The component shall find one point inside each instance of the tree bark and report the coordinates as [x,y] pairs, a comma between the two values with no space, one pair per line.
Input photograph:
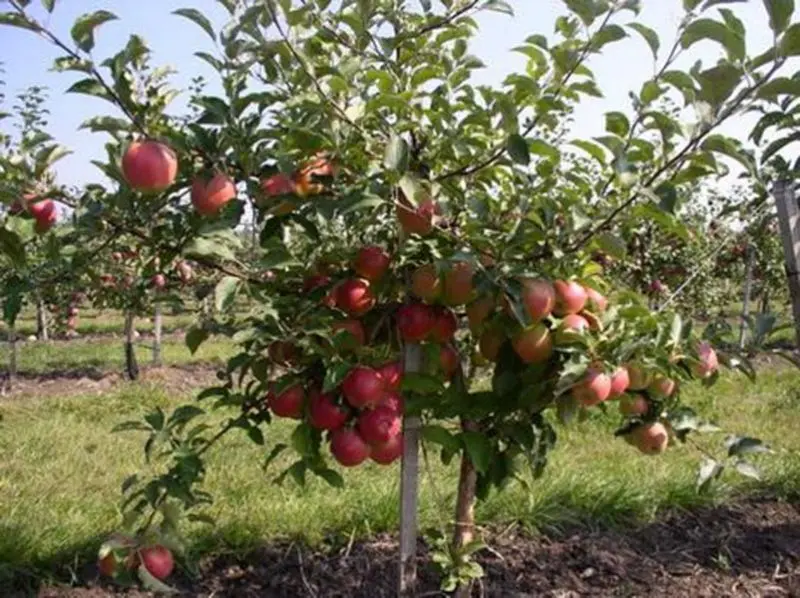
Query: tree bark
[464,531]
[157,326]
[131,367]
[42,332]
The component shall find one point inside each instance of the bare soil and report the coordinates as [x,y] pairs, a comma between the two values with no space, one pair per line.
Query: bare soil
[751,548]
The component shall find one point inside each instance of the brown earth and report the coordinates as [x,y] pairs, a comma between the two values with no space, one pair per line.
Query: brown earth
[751,548]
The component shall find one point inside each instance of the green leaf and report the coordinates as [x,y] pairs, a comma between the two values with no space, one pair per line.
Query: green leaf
[649,35]
[153,584]
[107,124]
[256,435]
[298,472]
[331,476]
[518,149]
[195,337]
[708,472]
[334,376]
[274,453]
[155,419]
[500,6]
[303,440]
[11,245]
[184,414]
[423,384]
[584,9]
[718,83]
[397,154]
[748,470]
[745,445]
[617,123]
[198,18]
[440,436]
[779,86]
[690,4]
[49,5]
[91,87]
[594,150]
[83,29]
[16,20]
[777,145]
[612,245]
[607,35]
[780,13]
[731,148]
[714,30]
[225,292]
[479,450]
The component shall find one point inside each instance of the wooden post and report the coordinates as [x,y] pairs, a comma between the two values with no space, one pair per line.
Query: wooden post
[748,286]
[131,367]
[157,326]
[13,358]
[41,321]
[409,485]
[789,219]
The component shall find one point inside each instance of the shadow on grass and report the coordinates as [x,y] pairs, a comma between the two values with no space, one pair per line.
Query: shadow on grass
[694,552]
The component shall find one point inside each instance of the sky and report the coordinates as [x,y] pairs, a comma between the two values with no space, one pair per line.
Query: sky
[622,67]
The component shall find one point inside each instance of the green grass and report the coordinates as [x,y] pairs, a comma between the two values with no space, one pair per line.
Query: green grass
[61,469]
[104,355]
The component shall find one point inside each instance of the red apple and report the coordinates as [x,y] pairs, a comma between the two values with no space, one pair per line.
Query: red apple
[572,323]
[185,272]
[415,321]
[449,360]
[210,195]
[657,287]
[392,374]
[324,413]
[570,297]
[662,387]
[533,344]
[288,403]
[159,281]
[593,389]
[596,300]
[457,287]
[157,560]
[394,401]
[378,426]
[539,298]
[650,439]
[363,387]
[425,283]
[371,263]
[633,405]
[149,166]
[315,282]
[354,297]
[619,382]
[445,325]
[277,185]
[348,448]
[709,362]
[639,378]
[478,311]
[357,335]
[388,452]
[416,220]
[490,342]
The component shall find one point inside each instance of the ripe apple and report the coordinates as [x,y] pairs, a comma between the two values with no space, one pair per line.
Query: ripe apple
[277,185]
[394,401]
[597,301]
[533,344]
[490,342]
[371,263]
[305,178]
[633,405]
[210,195]
[149,166]
[288,403]
[709,362]
[185,272]
[449,360]
[354,297]
[379,425]
[478,311]
[539,298]
[570,297]
[44,213]
[425,283]
[357,336]
[159,281]
[392,374]
[324,413]
[661,386]
[620,381]
[416,220]
[348,448]
[639,378]
[415,321]
[388,452]
[593,389]
[572,323]
[363,387]
[657,287]
[650,439]
[157,560]
[457,287]
[445,325]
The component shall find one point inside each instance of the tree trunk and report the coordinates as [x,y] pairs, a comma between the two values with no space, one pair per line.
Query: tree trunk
[748,285]
[42,333]
[464,531]
[157,325]
[765,302]
[13,357]
[131,367]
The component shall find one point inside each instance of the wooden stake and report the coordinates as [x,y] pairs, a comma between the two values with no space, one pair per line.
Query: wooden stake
[13,358]
[789,219]
[409,485]
[131,367]
[41,321]
[748,286]
[157,325]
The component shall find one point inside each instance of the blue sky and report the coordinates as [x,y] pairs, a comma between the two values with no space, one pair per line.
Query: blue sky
[27,58]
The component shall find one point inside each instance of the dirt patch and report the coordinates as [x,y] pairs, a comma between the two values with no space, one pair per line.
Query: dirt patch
[91,381]
[748,549]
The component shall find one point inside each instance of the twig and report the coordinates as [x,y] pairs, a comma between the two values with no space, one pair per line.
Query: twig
[443,21]
[310,590]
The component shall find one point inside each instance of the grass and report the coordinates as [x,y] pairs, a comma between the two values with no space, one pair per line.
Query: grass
[61,470]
